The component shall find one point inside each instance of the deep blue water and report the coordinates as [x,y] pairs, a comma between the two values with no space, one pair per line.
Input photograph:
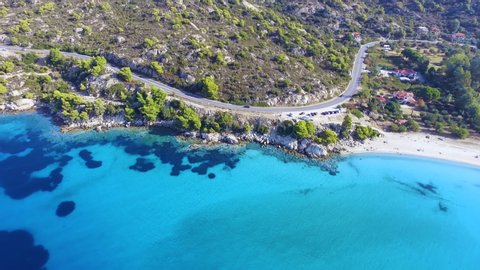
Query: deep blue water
[136,200]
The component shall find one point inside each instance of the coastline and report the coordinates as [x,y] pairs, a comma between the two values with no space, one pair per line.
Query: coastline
[421,145]
[418,144]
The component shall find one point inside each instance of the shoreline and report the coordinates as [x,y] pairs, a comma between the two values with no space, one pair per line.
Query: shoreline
[421,145]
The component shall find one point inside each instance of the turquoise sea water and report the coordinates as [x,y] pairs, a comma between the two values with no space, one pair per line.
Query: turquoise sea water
[150,202]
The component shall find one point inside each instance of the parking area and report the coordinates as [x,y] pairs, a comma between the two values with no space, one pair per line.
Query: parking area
[312,116]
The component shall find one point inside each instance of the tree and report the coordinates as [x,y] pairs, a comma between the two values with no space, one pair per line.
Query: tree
[285,128]
[98,65]
[262,129]
[346,127]
[148,109]
[189,119]
[429,93]
[152,103]
[224,119]
[55,57]
[209,87]
[453,25]
[304,129]
[328,136]
[365,132]
[393,109]
[98,107]
[129,113]
[126,74]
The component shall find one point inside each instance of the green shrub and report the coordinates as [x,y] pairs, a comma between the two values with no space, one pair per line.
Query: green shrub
[365,132]
[7,67]
[209,88]
[157,67]
[126,74]
[304,129]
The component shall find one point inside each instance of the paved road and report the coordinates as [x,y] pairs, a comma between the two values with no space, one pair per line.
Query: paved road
[346,95]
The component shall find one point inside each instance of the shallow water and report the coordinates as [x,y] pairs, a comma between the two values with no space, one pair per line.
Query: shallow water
[143,201]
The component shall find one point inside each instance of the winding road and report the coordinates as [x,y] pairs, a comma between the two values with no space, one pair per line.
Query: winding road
[351,89]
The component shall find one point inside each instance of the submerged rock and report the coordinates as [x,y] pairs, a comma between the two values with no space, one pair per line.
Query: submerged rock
[142,165]
[65,208]
[18,251]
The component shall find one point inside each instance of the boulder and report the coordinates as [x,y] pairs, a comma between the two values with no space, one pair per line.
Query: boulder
[287,142]
[230,139]
[303,145]
[316,151]
[23,104]
[210,137]
[120,40]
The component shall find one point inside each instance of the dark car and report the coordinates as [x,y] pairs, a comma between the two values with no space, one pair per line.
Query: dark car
[246,106]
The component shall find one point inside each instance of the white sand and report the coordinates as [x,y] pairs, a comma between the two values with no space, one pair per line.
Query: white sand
[422,144]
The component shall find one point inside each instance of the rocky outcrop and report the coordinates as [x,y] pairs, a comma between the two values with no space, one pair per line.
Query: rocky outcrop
[305,146]
[287,142]
[230,139]
[316,151]
[23,104]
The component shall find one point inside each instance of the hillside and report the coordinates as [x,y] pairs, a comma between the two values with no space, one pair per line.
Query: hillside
[254,53]
[387,18]
[258,52]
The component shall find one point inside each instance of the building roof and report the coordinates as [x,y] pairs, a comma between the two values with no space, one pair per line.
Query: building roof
[382,99]
[356,34]
[406,72]
[459,35]
[403,95]
[423,28]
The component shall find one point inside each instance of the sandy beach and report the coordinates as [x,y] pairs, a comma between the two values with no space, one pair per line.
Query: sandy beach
[422,144]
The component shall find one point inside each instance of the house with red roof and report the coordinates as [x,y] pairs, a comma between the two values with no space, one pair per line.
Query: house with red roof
[382,99]
[357,36]
[404,97]
[406,73]
[458,37]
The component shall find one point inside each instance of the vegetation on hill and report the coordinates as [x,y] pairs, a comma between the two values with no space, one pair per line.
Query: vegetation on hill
[253,53]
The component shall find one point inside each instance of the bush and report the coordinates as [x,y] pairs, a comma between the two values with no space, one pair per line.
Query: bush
[304,129]
[209,87]
[327,136]
[126,74]
[459,132]
[189,119]
[7,67]
[364,132]
[285,128]
[357,113]
[3,89]
[412,125]
[157,67]
[55,57]
[262,129]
